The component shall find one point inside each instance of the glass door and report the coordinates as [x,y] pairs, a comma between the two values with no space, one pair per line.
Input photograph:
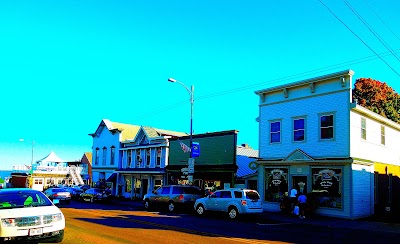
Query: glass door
[300,183]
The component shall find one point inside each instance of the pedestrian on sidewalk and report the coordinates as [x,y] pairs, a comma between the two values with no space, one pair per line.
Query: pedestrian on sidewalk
[293,198]
[302,200]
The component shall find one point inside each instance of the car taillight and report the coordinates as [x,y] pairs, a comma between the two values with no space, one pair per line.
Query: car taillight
[244,202]
[181,197]
[55,195]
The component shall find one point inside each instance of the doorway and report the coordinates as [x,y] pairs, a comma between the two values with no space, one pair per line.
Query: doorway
[145,186]
[300,183]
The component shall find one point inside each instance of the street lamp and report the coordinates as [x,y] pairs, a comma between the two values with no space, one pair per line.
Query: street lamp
[33,144]
[191,94]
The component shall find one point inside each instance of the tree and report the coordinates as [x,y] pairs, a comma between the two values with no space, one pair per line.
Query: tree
[378,97]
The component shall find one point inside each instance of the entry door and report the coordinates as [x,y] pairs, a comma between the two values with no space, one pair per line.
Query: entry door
[145,186]
[300,183]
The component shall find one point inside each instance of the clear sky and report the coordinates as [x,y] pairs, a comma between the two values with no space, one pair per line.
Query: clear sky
[66,65]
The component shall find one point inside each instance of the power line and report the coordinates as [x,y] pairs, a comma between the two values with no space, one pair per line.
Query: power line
[240,89]
[358,37]
[369,6]
[371,29]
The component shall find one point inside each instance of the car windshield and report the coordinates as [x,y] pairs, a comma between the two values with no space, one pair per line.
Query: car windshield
[252,195]
[23,199]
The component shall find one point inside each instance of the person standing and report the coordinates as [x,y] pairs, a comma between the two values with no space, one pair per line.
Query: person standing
[302,199]
[293,198]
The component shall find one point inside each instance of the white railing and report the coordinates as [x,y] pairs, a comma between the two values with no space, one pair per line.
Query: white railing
[76,177]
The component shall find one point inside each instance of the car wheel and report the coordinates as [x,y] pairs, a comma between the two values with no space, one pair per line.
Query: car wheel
[60,237]
[171,206]
[147,204]
[233,213]
[200,209]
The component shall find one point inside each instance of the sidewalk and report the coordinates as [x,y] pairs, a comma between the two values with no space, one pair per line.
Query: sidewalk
[322,221]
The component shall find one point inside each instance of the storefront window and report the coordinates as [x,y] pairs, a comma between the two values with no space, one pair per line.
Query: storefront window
[276,184]
[327,187]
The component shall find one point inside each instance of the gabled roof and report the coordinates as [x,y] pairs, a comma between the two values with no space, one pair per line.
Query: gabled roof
[244,156]
[88,156]
[152,133]
[298,155]
[127,131]
[52,157]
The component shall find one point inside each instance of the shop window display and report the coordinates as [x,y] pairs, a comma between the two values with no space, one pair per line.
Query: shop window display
[327,187]
[276,185]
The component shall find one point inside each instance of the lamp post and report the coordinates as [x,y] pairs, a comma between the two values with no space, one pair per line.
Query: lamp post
[33,144]
[191,95]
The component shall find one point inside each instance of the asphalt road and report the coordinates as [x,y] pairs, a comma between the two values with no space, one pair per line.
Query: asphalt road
[111,223]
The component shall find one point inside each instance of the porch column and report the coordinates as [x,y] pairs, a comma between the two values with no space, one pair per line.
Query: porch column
[261,181]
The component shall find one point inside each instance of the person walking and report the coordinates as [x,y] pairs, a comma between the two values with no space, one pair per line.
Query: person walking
[293,198]
[302,199]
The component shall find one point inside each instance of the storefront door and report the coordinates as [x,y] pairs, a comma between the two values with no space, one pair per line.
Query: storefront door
[300,183]
[145,185]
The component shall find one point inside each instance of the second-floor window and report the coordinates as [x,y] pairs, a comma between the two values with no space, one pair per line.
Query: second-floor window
[383,141]
[298,129]
[138,159]
[104,158]
[148,157]
[326,124]
[129,159]
[96,159]
[158,160]
[112,158]
[275,132]
[363,129]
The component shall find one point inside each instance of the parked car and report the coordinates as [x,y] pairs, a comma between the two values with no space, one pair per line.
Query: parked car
[95,194]
[58,195]
[28,215]
[232,201]
[75,192]
[172,197]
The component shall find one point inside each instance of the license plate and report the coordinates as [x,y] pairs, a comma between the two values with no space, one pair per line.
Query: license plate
[55,201]
[35,232]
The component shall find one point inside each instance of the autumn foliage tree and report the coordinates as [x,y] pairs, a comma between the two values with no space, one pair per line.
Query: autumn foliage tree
[378,97]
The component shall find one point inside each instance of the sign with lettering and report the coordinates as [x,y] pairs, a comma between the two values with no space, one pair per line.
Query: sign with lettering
[195,149]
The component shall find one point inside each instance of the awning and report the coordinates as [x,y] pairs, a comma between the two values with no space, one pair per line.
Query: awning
[112,177]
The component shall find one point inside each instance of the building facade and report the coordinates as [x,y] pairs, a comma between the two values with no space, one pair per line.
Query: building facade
[106,154]
[215,168]
[313,137]
[143,162]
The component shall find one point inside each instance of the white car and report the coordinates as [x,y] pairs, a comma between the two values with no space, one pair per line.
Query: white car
[27,215]
[233,201]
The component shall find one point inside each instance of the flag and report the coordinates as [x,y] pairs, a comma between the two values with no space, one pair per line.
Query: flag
[184,147]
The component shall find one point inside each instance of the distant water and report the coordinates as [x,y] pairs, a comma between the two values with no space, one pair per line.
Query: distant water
[5,173]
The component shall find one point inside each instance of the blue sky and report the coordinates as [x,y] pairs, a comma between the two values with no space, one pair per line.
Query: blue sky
[66,65]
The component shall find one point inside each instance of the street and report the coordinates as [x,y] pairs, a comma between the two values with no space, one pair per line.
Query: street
[113,223]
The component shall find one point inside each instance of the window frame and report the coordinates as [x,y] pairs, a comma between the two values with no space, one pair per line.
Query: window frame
[138,158]
[340,181]
[129,158]
[112,155]
[277,132]
[333,114]
[158,158]
[104,156]
[303,129]
[363,128]
[148,157]
[96,159]
[383,135]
